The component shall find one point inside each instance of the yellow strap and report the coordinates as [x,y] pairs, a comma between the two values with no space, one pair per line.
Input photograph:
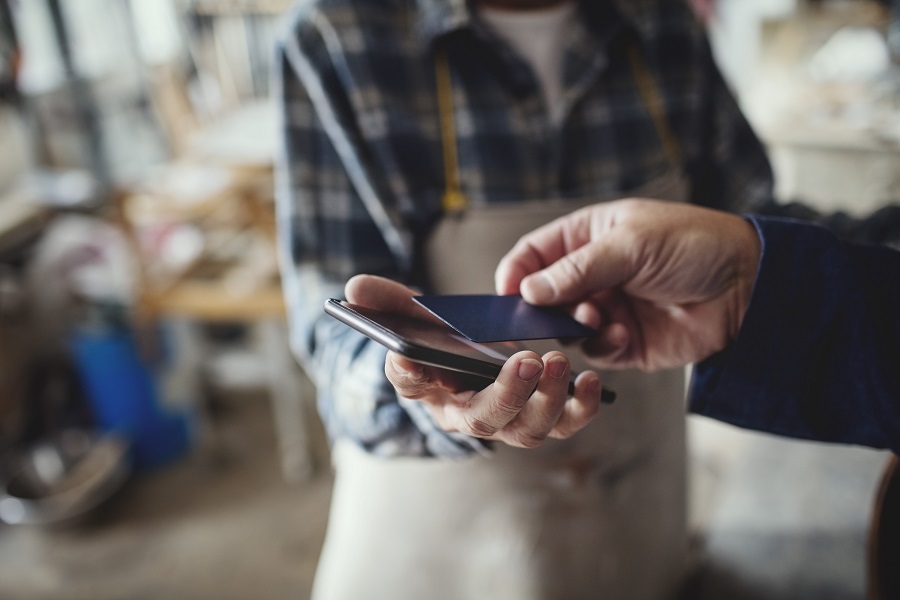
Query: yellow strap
[654,103]
[453,199]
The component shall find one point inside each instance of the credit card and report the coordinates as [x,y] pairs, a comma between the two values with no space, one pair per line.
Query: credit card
[486,318]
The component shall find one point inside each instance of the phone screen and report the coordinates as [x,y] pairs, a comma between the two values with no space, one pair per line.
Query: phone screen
[422,340]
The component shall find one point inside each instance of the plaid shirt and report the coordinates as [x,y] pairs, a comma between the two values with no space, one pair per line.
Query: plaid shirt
[375,62]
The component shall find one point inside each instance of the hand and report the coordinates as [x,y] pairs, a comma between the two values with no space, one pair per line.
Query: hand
[667,284]
[526,404]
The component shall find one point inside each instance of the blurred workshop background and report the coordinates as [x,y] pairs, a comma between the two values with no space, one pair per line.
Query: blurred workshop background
[157,439]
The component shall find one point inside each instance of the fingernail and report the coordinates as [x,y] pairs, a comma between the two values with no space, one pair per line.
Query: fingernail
[557,366]
[539,288]
[529,369]
[592,386]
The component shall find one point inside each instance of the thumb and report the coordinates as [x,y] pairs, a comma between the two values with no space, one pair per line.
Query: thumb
[581,273]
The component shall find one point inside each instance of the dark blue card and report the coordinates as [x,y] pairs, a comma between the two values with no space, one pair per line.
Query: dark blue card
[486,318]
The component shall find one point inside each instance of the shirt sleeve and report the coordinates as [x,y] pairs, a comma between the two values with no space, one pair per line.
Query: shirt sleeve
[818,351]
[326,236]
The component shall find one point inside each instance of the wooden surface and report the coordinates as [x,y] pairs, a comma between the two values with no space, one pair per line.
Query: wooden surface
[235,202]
[234,7]
[210,301]
[19,221]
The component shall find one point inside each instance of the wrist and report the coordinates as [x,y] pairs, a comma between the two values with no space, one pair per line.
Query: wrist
[749,254]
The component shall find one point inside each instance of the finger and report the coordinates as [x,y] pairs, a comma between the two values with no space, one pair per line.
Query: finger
[428,384]
[415,380]
[521,261]
[612,347]
[579,274]
[409,378]
[493,408]
[589,314]
[542,411]
[385,295]
[581,408]
[534,251]
[378,292]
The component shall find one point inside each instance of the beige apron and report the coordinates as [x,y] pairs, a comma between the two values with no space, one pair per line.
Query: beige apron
[601,515]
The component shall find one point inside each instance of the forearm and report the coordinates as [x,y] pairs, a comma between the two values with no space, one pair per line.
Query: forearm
[817,351]
[327,236]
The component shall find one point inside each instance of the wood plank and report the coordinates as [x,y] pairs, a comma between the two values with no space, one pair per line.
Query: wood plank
[210,301]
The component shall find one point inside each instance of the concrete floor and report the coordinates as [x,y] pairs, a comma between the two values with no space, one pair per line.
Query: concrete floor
[221,524]
[782,521]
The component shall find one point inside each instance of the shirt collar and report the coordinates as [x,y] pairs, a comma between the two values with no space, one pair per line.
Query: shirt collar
[440,17]
[642,15]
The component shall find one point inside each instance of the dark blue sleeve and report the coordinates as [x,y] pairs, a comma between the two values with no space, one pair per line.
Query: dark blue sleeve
[818,354]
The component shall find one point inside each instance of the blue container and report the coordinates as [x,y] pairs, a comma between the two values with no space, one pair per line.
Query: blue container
[124,397]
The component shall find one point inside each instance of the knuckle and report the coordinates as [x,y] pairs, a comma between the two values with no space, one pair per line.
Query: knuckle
[509,403]
[409,387]
[590,411]
[527,439]
[563,432]
[572,268]
[477,427]
[568,427]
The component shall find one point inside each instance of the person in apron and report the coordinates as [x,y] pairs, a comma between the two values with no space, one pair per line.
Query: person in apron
[599,515]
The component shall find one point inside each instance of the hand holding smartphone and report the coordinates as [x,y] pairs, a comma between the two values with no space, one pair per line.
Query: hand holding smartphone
[434,344]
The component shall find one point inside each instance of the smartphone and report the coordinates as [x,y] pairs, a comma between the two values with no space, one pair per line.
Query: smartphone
[430,343]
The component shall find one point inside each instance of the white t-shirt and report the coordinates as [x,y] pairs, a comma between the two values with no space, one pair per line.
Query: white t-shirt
[539,36]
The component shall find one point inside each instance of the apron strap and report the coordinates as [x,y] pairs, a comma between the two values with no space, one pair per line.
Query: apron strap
[455,201]
[652,99]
